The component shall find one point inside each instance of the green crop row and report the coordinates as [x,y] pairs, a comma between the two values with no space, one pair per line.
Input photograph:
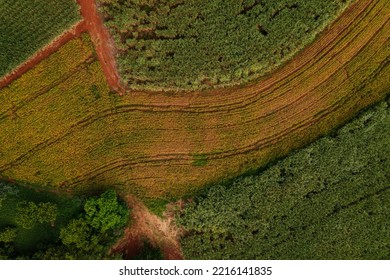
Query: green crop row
[328,201]
[27,26]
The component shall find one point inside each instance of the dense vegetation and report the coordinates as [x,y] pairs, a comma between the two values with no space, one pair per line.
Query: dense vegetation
[40,225]
[26,26]
[176,44]
[328,201]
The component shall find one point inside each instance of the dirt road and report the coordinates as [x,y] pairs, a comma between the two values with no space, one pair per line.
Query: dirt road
[103,42]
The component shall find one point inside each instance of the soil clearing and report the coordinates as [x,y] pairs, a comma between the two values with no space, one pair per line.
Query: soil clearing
[159,232]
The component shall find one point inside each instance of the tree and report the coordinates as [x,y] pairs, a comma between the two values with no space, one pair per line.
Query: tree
[78,233]
[105,213]
[26,214]
[47,212]
[8,235]
[30,213]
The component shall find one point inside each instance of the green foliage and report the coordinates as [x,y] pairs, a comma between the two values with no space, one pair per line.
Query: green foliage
[43,204]
[77,234]
[46,212]
[8,235]
[105,213]
[90,236]
[26,214]
[327,201]
[27,26]
[192,44]
[30,213]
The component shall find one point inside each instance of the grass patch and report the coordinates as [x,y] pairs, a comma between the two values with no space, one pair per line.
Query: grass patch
[199,160]
[156,206]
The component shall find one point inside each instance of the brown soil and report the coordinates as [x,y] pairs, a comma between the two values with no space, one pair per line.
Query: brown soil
[103,42]
[65,37]
[159,232]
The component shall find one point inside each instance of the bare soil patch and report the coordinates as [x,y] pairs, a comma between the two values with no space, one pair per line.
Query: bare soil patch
[161,233]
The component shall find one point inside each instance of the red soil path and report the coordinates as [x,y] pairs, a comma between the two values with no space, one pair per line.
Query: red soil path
[65,37]
[104,45]
[159,232]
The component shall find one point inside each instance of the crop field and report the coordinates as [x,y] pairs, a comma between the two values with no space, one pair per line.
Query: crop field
[327,201]
[62,126]
[198,44]
[27,26]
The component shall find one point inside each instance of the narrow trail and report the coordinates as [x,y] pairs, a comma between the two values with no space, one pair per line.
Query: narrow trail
[160,232]
[43,53]
[103,42]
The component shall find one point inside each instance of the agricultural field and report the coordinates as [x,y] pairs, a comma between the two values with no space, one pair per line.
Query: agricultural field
[329,200]
[197,44]
[27,26]
[64,128]
[69,126]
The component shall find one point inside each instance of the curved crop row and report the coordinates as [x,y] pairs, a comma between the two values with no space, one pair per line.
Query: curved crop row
[71,131]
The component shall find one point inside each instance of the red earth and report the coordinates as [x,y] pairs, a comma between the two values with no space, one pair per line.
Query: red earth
[104,45]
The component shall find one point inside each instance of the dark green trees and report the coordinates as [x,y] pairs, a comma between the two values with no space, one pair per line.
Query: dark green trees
[30,213]
[8,235]
[327,201]
[105,212]
[89,236]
